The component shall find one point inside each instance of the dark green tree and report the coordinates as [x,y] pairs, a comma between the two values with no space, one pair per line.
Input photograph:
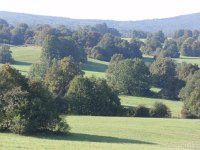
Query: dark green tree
[110,45]
[91,96]
[163,72]
[190,96]
[59,47]
[129,77]
[184,70]
[26,106]
[160,110]
[5,55]
[18,34]
[169,49]
[60,74]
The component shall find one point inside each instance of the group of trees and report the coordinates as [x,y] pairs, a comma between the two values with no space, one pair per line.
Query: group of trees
[133,77]
[26,106]
[158,45]
[110,45]
[99,41]
[184,42]
[176,81]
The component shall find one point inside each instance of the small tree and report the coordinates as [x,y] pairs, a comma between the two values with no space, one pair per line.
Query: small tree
[5,55]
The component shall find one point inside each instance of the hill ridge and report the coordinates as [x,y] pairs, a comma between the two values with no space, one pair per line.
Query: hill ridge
[168,25]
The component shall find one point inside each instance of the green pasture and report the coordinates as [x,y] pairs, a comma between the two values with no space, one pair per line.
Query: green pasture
[25,56]
[113,133]
[95,68]
[175,106]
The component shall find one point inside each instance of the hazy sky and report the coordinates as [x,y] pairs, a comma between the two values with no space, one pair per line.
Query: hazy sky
[103,9]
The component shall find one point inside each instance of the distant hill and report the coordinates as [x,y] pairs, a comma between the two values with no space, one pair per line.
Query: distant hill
[168,25]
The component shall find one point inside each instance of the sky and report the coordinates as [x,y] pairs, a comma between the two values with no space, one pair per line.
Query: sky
[103,9]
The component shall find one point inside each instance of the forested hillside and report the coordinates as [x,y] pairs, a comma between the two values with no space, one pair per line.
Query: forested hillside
[167,25]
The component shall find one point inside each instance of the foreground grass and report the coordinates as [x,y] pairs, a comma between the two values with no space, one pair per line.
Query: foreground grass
[113,133]
[175,106]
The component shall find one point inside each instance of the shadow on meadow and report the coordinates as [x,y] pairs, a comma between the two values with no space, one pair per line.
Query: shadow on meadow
[96,67]
[88,138]
[22,63]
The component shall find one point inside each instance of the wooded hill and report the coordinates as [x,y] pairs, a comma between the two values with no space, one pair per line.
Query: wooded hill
[167,25]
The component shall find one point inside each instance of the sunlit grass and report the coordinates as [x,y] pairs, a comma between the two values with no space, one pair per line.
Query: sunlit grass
[175,106]
[113,133]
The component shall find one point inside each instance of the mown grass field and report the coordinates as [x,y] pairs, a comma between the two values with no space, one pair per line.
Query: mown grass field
[113,133]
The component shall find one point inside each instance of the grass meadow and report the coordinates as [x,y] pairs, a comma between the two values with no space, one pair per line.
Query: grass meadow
[109,133]
[113,133]
[25,56]
[175,106]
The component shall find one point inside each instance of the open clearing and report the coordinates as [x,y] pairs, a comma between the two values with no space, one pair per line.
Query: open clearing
[114,133]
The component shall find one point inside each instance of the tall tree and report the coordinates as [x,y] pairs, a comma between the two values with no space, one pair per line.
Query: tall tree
[91,96]
[191,97]
[60,74]
[5,55]
[164,76]
[129,77]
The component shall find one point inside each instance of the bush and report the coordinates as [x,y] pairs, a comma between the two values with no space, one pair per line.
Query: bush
[142,111]
[187,114]
[160,110]
[18,125]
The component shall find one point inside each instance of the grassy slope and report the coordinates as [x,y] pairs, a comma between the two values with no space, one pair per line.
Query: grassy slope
[175,106]
[25,56]
[95,68]
[114,133]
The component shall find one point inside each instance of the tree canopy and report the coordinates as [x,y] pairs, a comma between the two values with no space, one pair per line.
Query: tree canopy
[5,55]
[91,96]
[129,76]
[26,106]
[190,95]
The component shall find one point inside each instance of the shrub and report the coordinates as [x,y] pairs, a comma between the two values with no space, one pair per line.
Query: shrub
[160,110]
[142,111]
[187,114]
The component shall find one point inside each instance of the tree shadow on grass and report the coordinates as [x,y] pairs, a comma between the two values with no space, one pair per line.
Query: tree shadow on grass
[89,138]
[22,63]
[96,67]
